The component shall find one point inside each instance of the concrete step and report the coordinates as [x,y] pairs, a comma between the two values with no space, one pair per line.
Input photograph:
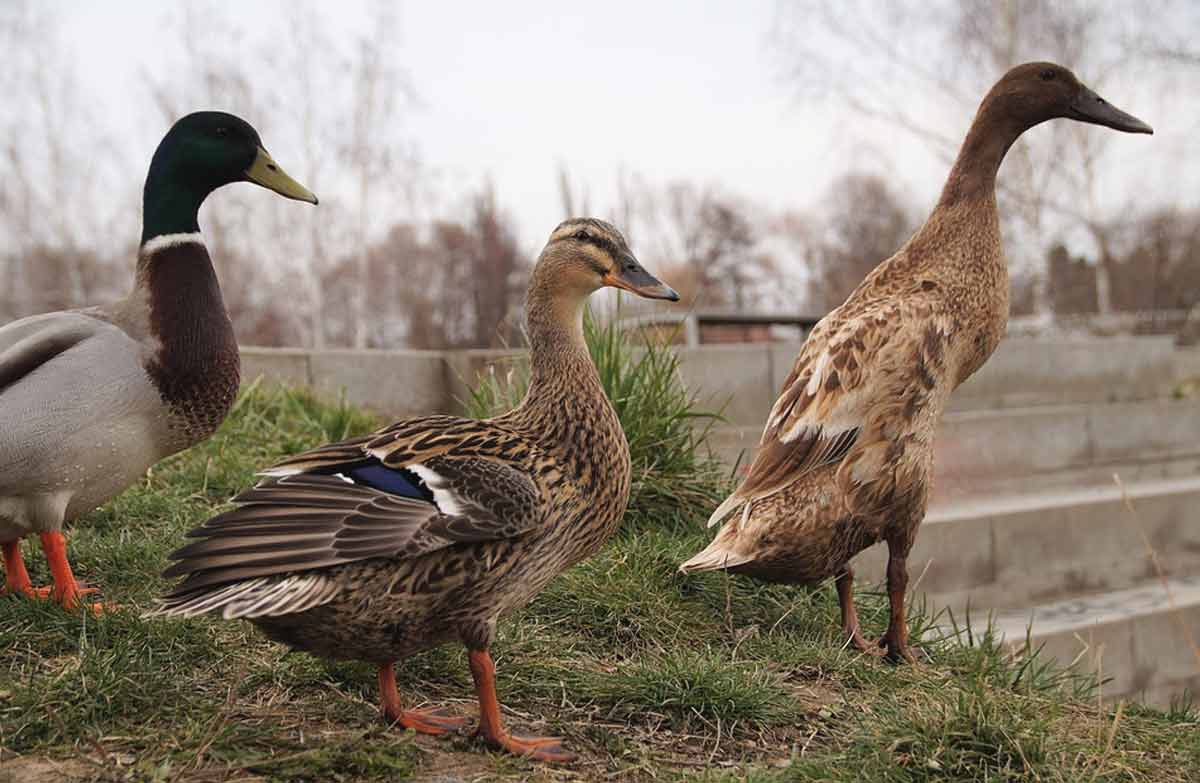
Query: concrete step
[1024,449]
[744,379]
[1017,551]
[1143,637]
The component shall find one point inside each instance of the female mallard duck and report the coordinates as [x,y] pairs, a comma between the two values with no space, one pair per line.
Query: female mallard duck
[846,455]
[430,529]
[89,399]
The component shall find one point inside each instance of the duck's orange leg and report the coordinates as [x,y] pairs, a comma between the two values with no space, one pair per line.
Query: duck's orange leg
[16,578]
[490,726]
[66,591]
[851,631]
[424,721]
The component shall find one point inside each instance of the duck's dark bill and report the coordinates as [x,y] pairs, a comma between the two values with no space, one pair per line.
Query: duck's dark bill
[632,276]
[266,172]
[1090,107]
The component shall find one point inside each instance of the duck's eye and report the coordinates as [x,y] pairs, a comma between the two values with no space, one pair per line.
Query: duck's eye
[582,236]
[222,131]
[1046,75]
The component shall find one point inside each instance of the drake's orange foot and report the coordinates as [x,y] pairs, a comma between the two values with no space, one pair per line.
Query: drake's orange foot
[69,600]
[538,748]
[47,593]
[16,578]
[66,590]
[435,722]
[24,591]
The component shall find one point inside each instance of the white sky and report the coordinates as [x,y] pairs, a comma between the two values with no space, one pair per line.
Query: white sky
[665,90]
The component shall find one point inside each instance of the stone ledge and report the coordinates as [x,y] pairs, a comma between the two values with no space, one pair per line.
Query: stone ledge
[1142,637]
[746,377]
[1010,552]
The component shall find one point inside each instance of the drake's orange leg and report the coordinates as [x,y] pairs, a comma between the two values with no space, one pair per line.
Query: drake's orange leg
[490,726]
[424,721]
[66,591]
[16,578]
[851,631]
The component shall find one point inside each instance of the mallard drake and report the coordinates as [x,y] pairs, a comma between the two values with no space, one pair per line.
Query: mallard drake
[429,530]
[846,454]
[91,398]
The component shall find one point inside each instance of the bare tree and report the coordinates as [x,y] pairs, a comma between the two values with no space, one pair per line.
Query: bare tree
[864,222]
[452,284]
[499,270]
[308,85]
[949,54]
[708,238]
[1158,270]
[59,167]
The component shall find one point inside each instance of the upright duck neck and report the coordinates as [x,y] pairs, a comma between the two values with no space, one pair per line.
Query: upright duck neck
[558,354]
[174,270]
[973,176]
[197,356]
[170,205]
[564,386]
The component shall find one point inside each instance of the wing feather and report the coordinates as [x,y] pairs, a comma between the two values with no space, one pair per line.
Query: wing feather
[36,341]
[308,516]
[843,372]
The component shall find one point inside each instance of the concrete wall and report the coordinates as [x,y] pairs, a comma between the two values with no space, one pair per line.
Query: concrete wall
[1046,371]
[394,382]
[745,378]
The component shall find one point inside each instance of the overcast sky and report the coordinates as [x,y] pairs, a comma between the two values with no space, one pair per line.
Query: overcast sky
[663,89]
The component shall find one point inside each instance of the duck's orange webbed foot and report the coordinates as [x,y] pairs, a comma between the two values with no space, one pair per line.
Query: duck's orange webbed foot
[66,592]
[429,721]
[492,730]
[538,748]
[16,578]
[425,721]
[47,593]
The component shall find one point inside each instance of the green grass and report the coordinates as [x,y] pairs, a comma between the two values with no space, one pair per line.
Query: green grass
[648,675]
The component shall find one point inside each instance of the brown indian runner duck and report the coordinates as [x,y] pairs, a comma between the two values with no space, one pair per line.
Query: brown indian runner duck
[430,529]
[91,398]
[845,458]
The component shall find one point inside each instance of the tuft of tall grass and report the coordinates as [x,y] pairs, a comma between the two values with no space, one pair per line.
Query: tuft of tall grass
[686,685]
[674,474]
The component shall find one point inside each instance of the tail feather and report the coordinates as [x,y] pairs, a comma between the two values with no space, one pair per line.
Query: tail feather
[714,557]
[261,597]
[727,507]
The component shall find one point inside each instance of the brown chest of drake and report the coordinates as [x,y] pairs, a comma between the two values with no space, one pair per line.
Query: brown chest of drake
[194,363]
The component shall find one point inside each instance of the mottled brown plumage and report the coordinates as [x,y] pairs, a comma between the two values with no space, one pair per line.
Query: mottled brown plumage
[432,528]
[846,456]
